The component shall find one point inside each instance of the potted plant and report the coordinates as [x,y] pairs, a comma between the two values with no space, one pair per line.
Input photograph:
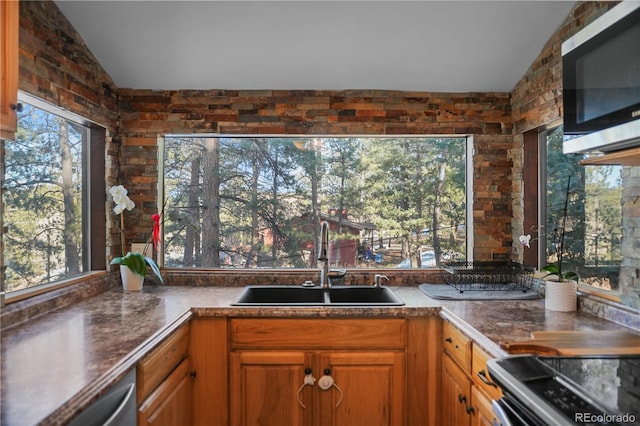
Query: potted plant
[560,290]
[560,285]
[133,266]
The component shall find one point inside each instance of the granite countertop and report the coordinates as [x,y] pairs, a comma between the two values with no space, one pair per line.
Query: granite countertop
[56,365]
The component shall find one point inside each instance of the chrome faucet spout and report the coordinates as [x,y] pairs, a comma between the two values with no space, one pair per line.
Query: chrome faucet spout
[323,255]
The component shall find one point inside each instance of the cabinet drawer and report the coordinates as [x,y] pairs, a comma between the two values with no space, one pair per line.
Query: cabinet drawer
[303,333]
[170,403]
[160,362]
[457,345]
[480,373]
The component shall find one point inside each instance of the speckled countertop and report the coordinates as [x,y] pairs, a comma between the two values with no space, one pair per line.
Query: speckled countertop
[57,364]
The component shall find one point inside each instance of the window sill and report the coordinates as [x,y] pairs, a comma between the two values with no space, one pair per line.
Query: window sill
[598,292]
[18,295]
[30,303]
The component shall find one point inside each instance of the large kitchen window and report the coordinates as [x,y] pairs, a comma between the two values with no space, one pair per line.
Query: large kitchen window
[257,202]
[46,207]
[583,203]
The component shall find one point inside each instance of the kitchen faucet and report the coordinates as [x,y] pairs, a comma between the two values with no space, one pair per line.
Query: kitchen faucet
[323,255]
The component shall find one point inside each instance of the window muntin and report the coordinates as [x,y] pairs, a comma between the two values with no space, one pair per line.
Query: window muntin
[256,202]
[44,198]
[593,226]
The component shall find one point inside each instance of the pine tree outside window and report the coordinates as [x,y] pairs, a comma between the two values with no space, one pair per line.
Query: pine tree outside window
[257,202]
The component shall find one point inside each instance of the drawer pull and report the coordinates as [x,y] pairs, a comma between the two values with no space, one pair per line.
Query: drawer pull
[448,339]
[483,376]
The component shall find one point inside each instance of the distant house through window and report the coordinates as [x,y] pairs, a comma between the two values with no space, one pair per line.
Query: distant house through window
[257,202]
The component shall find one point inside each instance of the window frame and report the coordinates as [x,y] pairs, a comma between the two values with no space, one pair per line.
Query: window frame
[541,169]
[469,179]
[93,203]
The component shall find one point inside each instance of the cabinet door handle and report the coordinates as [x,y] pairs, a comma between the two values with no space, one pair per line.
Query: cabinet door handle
[462,398]
[469,409]
[448,339]
[308,380]
[326,382]
[17,107]
[483,377]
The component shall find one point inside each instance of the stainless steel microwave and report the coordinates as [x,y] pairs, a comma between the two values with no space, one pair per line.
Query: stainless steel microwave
[601,82]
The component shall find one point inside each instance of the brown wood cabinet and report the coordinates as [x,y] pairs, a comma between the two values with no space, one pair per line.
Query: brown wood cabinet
[484,389]
[251,371]
[9,28]
[170,403]
[467,388]
[364,357]
[483,415]
[165,382]
[456,395]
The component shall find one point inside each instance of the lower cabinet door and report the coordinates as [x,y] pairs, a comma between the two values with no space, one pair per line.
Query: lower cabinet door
[456,395]
[366,388]
[170,403]
[267,389]
[483,411]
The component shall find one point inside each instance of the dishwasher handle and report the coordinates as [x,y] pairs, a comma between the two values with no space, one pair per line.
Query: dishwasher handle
[120,414]
[117,407]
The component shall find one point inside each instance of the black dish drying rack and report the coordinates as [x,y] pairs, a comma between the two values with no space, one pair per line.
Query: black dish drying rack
[487,276]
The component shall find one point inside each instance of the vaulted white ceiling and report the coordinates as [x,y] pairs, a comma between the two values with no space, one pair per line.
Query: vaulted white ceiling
[440,46]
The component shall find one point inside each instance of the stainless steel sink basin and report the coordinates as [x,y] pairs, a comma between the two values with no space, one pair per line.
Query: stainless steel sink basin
[316,296]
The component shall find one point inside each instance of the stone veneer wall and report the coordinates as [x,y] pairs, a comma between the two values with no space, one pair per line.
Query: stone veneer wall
[146,115]
[56,66]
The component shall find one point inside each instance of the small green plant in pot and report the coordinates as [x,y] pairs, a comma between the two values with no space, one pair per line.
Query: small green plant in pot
[137,263]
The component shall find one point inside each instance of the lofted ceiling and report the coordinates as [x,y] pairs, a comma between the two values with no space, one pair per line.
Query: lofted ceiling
[439,46]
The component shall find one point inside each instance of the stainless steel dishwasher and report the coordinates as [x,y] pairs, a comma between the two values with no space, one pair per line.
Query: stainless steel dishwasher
[117,407]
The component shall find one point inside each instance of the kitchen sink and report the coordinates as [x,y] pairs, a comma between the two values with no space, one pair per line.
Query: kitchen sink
[317,296]
[363,295]
[281,295]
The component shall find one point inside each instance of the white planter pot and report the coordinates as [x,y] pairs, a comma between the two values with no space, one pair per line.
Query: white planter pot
[560,296]
[130,280]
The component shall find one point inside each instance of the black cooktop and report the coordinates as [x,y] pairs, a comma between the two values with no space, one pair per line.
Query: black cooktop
[583,390]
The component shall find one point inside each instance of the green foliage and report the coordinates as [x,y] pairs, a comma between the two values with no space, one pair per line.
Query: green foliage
[268,185]
[42,198]
[138,264]
[583,228]
[554,270]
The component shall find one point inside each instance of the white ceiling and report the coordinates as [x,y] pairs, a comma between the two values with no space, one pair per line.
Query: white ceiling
[440,46]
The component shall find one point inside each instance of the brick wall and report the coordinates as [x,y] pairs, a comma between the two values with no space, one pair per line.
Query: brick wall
[147,114]
[56,66]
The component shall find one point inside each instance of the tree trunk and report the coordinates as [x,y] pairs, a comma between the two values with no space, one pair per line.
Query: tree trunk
[315,178]
[72,259]
[255,168]
[437,206]
[211,203]
[193,214]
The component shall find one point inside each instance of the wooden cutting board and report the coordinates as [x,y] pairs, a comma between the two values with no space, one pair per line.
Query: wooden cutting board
[591,342]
